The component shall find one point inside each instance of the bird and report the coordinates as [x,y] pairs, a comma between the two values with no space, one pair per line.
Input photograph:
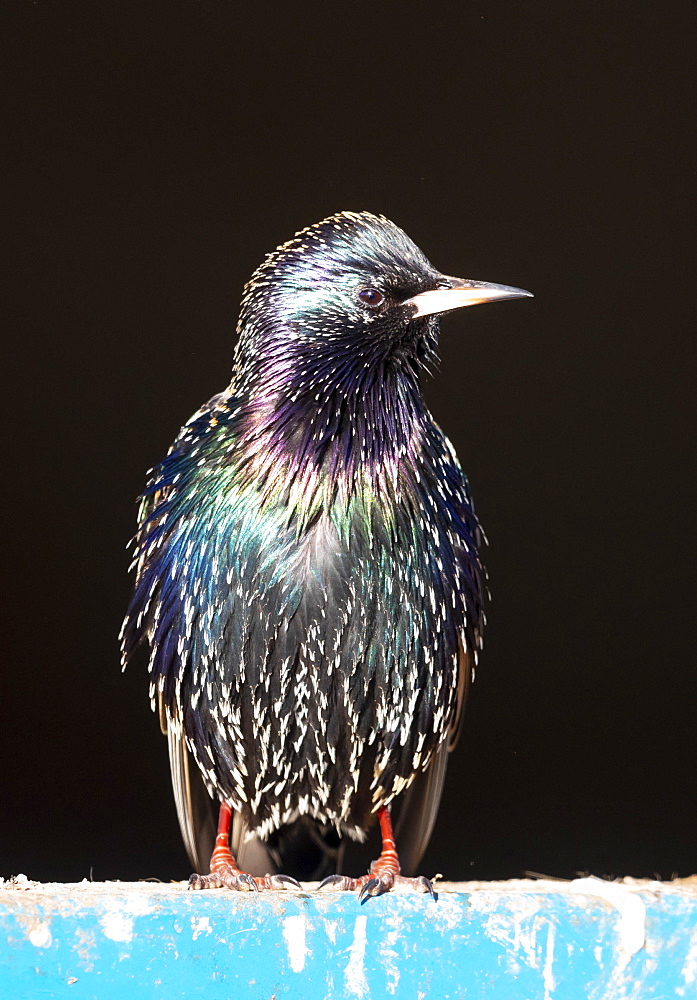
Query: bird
[308,575]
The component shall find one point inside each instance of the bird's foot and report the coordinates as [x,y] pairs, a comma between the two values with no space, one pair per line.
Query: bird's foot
[376,883]
[227,876]
[225,872]
[384,873]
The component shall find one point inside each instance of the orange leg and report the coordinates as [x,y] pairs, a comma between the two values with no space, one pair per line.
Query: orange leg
[225,872]
[384,873]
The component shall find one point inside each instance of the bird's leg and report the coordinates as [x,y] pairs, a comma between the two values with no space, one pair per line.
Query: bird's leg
[225,872]
[384,873]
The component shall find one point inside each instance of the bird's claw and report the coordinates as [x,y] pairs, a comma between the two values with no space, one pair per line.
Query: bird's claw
[422,884]
[231,878]
[238,881]
[377,884]
[280,882]
[341,882]
[375,887]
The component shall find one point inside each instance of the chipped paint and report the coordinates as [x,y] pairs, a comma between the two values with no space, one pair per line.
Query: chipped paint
[542,940]
[389,953]
[547,975]
[354,973]
[631,907]
[117,922]
[117,926]
[514,925]
[200,925]
[447,914]
[40,935]
[294,931]
[689,968]
[86,947]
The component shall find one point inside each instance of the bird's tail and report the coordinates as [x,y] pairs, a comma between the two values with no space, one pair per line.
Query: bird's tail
[303,849]
[306,850]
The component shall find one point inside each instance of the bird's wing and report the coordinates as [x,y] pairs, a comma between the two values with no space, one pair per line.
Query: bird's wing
[465,677]
[416,809]
[418,806]
[196,812]
[195,808]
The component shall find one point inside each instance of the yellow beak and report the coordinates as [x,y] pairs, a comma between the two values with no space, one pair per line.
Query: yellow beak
[461,292]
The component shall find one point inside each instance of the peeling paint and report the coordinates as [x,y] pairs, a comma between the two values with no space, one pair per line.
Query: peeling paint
[543,940]
[354,973]
[515,927]
[294,931]
[389,954]
[547,976]
[85,947]
[117,922]
[630,905]
[200,925]
[689,967]
[40,935]
[138,906]
[447,913]
[117,926]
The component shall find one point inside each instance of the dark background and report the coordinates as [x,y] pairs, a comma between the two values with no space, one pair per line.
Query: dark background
[155,158]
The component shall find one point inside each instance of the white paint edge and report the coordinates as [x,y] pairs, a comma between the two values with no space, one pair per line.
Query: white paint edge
[630,905]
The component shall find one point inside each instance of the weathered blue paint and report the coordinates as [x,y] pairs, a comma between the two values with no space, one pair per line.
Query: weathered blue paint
[509,941]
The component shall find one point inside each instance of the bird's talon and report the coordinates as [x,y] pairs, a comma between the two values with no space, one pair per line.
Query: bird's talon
[338,881]
[425,884]
[280,882]
[371,888]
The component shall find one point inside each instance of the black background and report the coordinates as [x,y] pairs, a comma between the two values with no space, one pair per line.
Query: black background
[155,158]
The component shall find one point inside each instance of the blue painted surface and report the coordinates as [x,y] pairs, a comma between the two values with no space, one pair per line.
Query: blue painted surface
[509,941]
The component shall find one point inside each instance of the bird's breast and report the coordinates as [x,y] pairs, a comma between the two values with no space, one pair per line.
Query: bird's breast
[307,627]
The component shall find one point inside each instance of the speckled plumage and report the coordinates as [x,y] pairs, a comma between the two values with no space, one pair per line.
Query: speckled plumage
[308,577]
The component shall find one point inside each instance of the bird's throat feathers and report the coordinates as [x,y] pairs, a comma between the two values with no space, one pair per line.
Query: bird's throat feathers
[336,433]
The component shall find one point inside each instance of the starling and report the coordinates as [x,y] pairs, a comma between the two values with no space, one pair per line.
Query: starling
[308,573]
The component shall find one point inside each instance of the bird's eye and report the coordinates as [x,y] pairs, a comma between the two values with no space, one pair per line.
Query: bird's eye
[371,297]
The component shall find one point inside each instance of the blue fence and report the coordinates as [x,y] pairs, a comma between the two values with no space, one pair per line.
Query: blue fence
[580,940]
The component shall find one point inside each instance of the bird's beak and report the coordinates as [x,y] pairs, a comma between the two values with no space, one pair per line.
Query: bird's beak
[460,292]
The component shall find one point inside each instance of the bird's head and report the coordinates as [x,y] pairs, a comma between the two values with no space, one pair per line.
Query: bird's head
[351,292]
